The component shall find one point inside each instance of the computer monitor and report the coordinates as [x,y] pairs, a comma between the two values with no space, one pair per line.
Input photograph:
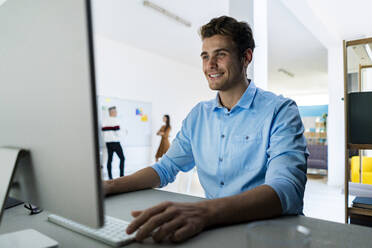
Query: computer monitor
[48,105]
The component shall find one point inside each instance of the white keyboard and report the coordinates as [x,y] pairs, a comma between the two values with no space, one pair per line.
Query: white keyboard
[112,233]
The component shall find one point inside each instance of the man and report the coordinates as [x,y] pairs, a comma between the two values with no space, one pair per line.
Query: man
[247,144]
[111,136]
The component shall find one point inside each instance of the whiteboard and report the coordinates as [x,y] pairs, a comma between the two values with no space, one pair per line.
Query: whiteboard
[134,118]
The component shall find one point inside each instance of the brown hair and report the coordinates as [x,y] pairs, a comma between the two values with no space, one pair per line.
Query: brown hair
[167,122]
[239,32]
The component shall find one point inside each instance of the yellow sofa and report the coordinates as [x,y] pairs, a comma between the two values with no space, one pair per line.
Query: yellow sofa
[367,169]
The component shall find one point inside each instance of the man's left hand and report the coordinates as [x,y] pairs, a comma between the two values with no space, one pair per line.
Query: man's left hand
[169,220]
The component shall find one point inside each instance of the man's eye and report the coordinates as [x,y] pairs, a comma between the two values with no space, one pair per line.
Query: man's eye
[221,54]
[205,57]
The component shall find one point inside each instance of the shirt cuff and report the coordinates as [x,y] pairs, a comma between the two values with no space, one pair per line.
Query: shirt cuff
[158,170]
[288,195]
[166,170]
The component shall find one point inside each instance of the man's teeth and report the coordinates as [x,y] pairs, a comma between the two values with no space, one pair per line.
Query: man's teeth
[215,75]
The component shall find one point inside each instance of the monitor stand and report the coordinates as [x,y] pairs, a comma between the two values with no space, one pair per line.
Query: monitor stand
[12,202]
[9,158]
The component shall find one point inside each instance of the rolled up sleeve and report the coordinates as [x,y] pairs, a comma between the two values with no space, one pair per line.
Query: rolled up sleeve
[287,156]
[179,157]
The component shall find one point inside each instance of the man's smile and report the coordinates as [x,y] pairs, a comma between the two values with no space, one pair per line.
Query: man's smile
[215,75]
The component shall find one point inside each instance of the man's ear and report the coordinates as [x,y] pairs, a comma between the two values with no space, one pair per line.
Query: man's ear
[247,57]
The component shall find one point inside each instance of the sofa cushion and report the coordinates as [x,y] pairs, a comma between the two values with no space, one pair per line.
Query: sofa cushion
[318,156]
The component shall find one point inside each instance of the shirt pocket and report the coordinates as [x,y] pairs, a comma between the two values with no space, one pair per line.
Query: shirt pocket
[246,151]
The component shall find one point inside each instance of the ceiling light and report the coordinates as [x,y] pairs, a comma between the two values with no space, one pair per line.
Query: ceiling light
[166,13]
[289,74]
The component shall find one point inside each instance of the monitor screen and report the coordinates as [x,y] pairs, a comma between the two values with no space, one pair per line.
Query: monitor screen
[48,104]
[360,118]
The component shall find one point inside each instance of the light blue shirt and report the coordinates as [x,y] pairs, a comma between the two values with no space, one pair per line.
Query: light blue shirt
[259,141]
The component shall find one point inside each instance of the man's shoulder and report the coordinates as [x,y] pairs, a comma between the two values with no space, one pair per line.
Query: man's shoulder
[203,106]
[269,98]
[200,109]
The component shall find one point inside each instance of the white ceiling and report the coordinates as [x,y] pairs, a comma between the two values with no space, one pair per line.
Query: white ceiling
[131,22]
[332,21]
[291,46]
[348,19]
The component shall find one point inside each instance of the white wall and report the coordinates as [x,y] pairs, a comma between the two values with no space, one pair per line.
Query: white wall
[260,31]
[336,117]
[242,10]
[367,79]
[306,13]
[310,99]
[130,73]
[254,12]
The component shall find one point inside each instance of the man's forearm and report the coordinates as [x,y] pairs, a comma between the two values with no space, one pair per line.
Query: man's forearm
[142,179]
[259,203]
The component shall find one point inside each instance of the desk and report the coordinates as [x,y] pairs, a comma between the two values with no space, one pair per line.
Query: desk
[324,233]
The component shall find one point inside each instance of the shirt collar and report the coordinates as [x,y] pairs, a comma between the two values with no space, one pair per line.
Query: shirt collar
[245,100]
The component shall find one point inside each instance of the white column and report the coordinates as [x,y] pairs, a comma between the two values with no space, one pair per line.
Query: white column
[260,32]
[336,117]
[254,12]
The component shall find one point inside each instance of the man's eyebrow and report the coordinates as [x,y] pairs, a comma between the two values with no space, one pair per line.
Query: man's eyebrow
[216,51]
[203,53]
[221,49]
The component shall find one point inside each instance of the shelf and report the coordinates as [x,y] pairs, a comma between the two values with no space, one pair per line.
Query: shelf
[358,42]
[357,124]
[359,146]
[360,211]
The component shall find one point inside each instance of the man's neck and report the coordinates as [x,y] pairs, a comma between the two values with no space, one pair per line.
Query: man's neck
[231,97]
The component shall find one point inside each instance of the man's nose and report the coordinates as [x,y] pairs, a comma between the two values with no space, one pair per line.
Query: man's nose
[212,63]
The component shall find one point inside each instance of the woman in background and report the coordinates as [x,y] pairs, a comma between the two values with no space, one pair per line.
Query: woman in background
[164,133]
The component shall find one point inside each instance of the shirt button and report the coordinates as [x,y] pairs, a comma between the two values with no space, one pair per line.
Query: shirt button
[220,159]
[222,136]
[222,183]
[246,137]
[228,114]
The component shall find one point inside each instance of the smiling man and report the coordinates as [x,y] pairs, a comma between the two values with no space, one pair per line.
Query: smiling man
[247,145]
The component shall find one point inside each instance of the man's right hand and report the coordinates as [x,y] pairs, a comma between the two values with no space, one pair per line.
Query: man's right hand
[108,187]
[143,179]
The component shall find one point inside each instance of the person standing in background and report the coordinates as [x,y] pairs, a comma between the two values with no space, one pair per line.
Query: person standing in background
[111,135]
[164,133]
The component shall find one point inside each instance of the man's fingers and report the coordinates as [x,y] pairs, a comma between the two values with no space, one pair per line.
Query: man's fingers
[155,222]
[144,216]
[167,229]
[136,213]
[182,234]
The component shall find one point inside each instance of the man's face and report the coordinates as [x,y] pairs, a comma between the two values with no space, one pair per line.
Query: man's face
[113,113]
[222,66]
